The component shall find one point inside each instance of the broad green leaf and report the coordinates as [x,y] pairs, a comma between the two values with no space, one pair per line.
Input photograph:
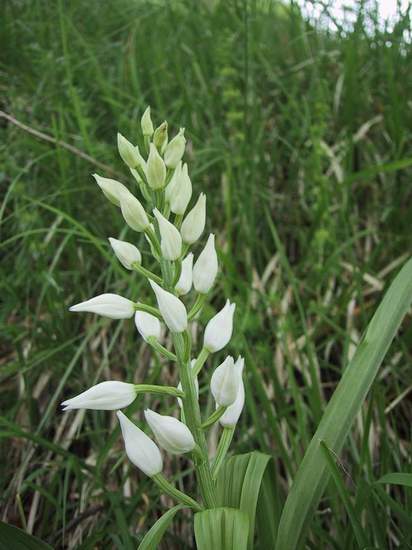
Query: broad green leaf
[238,484]
[269,509]
[13,538]
[221,529]
[153,537]
[312,476]
[397,479]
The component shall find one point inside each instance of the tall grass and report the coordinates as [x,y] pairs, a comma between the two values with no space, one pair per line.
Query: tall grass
[302,136]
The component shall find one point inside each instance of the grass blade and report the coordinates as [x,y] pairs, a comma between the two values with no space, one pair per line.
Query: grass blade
[312,476]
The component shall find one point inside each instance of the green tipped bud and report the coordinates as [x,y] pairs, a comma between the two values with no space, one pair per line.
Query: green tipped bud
[133,212]
[112,189]
[175,150]
[129,153]
[147,124]
[160,137]
[156,169]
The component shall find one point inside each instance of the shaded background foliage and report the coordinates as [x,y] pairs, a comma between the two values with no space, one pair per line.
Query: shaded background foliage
[301,137]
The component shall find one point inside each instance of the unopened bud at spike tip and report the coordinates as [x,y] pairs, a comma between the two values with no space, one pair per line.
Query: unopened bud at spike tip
[126,253]
[206,267]
[140,449]
[128,152]
[160,137]
[146,123]
[171,434]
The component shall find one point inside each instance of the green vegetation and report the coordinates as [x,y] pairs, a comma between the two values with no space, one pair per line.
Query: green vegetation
[301,137]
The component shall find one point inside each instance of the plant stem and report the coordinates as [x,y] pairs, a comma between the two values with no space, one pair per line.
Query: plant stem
[200,361]
[150,388]
[192,418]
[148,309]
[197,306]
[171,490]
[222,448]
[214,417]
[146,273]
[161,349]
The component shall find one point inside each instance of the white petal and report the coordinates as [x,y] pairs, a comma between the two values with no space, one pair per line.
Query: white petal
[107,305]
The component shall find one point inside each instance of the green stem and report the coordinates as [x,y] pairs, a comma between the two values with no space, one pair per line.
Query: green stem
[214,417]
[197,306]
[148,309]
[200,361]
[165,390]
[153,241]
[161,349]
[177,271]
[192,418]
[171,490]
[222,448]
[146,273]
[178,220]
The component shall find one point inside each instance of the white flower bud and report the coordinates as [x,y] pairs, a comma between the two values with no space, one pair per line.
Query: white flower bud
[170,239]
[160,137]
[182,193]
[106,396]
[129,152]
[133,212]
[225,382]
[173,183]
[194,223]
[219,329]
[147,325]
[184,284]
[205,268]
[126,253]
[171,434]
[112,189]
[156,169]
[140,449]
[179,386]
[107,305]
[146,123]
[232,413]
[175,149]
[172,309]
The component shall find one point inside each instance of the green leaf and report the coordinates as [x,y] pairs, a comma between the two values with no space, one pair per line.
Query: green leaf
[14,538]
[269,509]
[312,476]
[153,537]
[221,529]
[397,479]
[238,485]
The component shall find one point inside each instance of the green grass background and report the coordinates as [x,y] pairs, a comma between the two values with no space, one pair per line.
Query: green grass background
[301,137]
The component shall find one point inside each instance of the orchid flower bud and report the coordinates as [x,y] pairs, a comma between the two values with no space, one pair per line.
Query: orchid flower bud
[170,239]
[129,152]
[112,189]
[146,123]
[179,386]
[107,305]
[106,396]
[171,189]
[172,309]
[205,268]
[182,193]
[219,329]
[126,253]
[184,284]
[225,382]
[175,149]
[140,449]
[194,223]
[160,137]
[232,413]
[156,169]
[133,212]
[147,325]
[171,434]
